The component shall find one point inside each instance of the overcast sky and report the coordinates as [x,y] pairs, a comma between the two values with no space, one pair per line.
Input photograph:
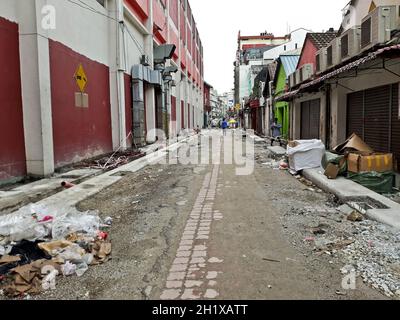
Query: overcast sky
[219,21]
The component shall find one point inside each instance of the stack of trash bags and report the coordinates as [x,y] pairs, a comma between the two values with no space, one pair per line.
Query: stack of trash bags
[37,244]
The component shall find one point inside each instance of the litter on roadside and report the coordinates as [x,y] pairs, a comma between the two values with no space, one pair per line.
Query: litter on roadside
[305,154]
[40,244]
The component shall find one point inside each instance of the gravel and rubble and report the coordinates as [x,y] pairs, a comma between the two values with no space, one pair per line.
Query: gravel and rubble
[370,247]
[333,229]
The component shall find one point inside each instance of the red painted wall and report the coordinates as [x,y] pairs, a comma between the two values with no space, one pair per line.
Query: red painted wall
[183,56]
[140,8]
[308,54]
[128,108]
[79,133]
[12,143]
[160,23]
[183,24]
[174,12]
[173,115]
[174,39]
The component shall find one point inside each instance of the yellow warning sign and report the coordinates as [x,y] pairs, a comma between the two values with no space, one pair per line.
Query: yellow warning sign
[238,107]
[80,78]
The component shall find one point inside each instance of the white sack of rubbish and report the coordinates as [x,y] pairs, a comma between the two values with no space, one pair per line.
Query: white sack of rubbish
[305,154]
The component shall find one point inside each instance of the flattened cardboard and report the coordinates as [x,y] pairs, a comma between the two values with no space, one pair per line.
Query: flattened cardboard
[9,259]
[354,143]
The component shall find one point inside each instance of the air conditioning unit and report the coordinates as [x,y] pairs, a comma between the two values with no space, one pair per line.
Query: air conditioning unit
[144,60]
[298,76]
[292,80]
[350,43]
[333,53]
[320,60]
[376,27]
[307,71]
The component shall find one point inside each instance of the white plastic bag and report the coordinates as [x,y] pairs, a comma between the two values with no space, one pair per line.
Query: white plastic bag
[81,269]
[73,253]
[17,227]
[68,269]
[88,223]
[307,154]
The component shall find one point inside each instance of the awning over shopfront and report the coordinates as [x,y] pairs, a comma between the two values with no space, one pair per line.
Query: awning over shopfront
[348,67]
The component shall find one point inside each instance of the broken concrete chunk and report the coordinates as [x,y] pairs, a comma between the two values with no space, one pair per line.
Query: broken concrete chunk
[355,216]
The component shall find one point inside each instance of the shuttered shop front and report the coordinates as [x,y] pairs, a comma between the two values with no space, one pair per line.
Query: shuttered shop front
[373,114]
[310,119]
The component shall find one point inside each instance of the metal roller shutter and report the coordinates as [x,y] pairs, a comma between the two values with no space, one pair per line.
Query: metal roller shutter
[355,114]
[374,115]
[315,116]
[310,119]
[395,138]
[305,120]
[377,118]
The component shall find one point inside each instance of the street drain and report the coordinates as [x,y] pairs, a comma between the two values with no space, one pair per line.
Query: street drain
[363,204]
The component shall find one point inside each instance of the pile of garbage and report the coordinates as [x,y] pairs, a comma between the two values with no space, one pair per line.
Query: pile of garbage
[36,246]
[354,160]
[358,162]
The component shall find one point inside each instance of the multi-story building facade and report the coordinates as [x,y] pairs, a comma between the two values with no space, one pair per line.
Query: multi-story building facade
[249,57]
[82,77]
[351,84]
[207,104]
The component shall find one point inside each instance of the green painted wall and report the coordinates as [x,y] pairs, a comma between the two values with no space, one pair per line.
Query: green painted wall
[282,108]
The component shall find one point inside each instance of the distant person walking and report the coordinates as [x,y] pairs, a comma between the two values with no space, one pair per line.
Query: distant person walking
[224,126]
[276,132]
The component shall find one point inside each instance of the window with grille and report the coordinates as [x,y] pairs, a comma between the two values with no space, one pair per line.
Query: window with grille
[345,45]
[366,33]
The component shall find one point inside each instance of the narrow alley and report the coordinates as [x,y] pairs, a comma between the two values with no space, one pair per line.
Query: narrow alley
[169,152]
[202,232]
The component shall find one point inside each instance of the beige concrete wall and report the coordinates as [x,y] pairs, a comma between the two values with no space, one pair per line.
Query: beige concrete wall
[366,79]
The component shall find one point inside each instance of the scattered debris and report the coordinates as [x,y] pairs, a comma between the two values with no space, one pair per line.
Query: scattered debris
[113,161]
[345,209]
[317,230]
[108,221]
[38,247]
[355,216]
[271,260]
[67,185]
